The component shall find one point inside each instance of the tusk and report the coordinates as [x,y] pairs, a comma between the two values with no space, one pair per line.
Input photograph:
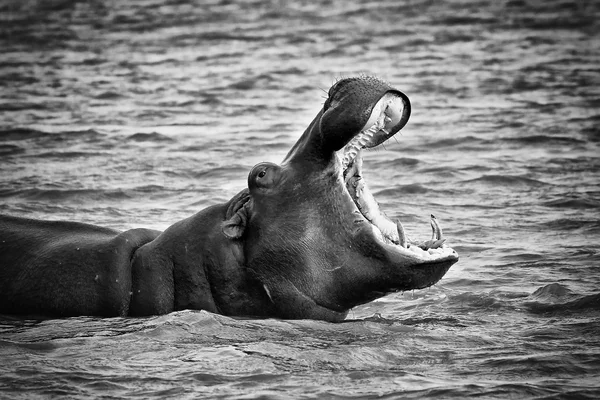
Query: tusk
[401,234]
[436,233]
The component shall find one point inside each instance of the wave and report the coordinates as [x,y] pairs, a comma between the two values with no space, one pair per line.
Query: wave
[401,190]
[23,106]
[20,134]
[400,163]
[109,95]
[220,172]
[66,194]
[17,134]
[507,180]
[464,142]
[557,298]
[10,149]
[573,203]
[567,224]
[66,155]
[222,36]
[471,300]
[545,140]
[411,321]
[262,80]
[585,226]
[149,137]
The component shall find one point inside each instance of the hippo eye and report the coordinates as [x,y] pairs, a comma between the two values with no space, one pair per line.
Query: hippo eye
[264,176]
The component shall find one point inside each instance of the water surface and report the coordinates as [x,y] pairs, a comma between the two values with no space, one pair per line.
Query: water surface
[140,113]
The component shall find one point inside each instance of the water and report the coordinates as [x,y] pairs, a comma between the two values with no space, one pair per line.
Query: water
[138,114]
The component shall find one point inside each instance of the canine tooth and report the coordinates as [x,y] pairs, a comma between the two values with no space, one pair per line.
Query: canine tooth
[436,233]
[401,234]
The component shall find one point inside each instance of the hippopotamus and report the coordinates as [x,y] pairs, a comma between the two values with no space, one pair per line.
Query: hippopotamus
[305,240]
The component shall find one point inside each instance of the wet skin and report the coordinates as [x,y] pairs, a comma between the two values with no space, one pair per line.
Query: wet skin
[292,245]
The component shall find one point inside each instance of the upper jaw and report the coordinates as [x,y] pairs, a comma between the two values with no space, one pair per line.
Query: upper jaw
[385,120]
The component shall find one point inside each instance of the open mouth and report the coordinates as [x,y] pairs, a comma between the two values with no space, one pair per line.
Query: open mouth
[385,117]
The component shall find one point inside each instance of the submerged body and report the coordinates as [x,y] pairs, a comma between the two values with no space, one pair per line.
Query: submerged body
[66,268]
[300,242]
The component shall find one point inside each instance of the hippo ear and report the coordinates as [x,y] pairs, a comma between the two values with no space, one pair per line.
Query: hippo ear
[234,227]
[236,217]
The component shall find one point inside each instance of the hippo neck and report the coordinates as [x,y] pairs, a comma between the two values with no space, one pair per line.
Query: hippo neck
[209,269]
[169,275]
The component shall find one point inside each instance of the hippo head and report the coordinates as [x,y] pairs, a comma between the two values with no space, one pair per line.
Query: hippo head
[313,236]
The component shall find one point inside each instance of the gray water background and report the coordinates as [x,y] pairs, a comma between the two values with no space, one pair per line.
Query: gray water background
[140,113]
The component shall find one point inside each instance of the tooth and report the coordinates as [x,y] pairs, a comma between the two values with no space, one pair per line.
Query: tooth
[360,185]
[359,142]
[437,243]
[349,174]
[358,161]
[436,233]
[401,234]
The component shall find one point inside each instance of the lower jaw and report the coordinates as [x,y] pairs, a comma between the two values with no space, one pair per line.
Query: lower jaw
[386,232]
[386,114]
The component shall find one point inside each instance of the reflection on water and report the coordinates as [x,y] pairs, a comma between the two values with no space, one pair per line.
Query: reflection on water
[129,114]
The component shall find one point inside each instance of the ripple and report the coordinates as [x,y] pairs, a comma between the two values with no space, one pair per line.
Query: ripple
[507,181]
[153,137]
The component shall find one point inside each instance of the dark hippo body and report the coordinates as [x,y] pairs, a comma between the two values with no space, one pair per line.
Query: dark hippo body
[292,245]
[66,268]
